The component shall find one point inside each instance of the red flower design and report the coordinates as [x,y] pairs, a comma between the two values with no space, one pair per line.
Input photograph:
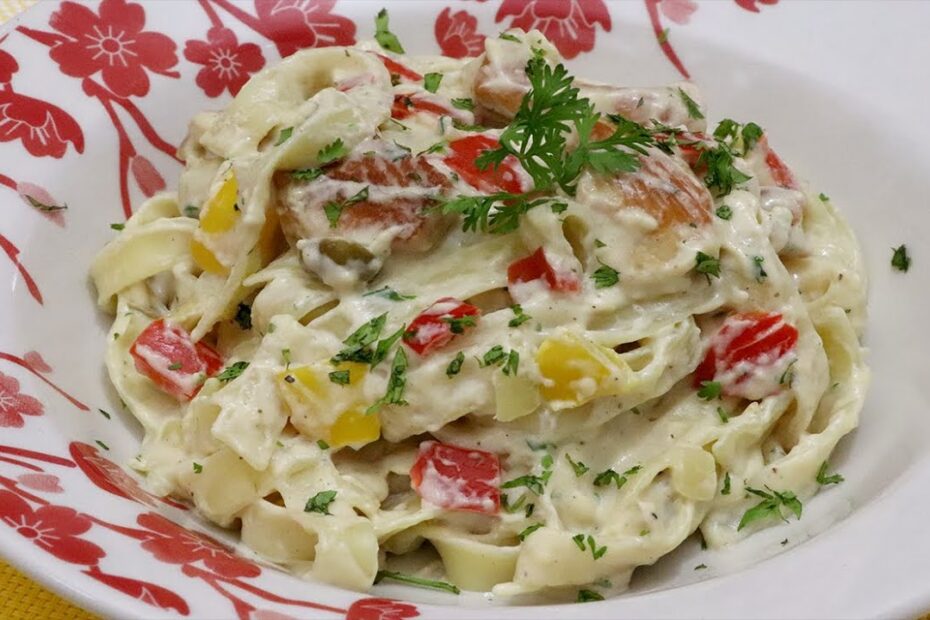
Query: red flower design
[752,5]
[679,11]
[569,24]
[296,24]
[226,64]
[13,405]
[40,482]
[381,609]
[8,66]
[150,182]
[52,528]
[176,545]
[34,358]
[110,477]
[39,199]
[457,34]
[113,43]
[44,129]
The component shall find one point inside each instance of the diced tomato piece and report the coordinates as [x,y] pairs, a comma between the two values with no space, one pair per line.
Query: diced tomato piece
[166,354]
[537,267]
[436,326]
[407,105]
[396,68]
[751,345]
[457,478]
[504,177]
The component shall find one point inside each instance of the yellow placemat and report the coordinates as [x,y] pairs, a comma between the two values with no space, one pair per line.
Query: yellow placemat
[24,599]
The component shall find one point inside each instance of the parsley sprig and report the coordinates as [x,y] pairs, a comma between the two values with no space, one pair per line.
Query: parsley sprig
[771,505]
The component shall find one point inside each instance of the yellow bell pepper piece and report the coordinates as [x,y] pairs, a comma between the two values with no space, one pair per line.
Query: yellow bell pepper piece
[576,370]
[335,412]
[206,260]
[355,427]
[220,213]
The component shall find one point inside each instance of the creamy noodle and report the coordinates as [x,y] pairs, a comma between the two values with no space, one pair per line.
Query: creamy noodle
[535,410]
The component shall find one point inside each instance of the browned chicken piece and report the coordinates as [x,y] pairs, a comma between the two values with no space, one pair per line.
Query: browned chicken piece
[377,201]
[501,83]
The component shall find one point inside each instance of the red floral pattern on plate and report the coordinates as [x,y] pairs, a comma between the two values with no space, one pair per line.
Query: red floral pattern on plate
[43,128]
[52,528]
[8,66]
[227,65]
[752,5]
[569,24]
[381,609]
[176,545]
[14,405]
[679,11]
[47,483]
[457,34]
[296,24]
[111,478]
[112,43]
[146,175]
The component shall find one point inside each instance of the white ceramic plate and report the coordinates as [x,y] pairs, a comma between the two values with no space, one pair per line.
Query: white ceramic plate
[93,103]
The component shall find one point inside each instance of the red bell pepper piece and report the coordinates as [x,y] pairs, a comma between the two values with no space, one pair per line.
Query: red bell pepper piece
[166,354]
[457,478]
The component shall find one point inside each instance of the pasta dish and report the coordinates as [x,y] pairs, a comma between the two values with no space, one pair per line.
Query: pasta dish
[481,324]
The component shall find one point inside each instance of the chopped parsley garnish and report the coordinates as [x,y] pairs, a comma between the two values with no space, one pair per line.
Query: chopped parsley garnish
[596,552]
[286,357]
[117,226]
[176,366]
[322,445]
[439,147]
[506,36]
[708,265]
[823,197]
[587,596]
[431,81]
[700,567]
[397,383]
[320,502]
[599,244]
[529,530]
[232,371]
[558,207]
[730,132]
[787,377]
[517,505]
[519,316]
[610,476]
[104,413]
[538,138]
[463,103]
[307,174]
[340,377]
[331,152]
[284,136]
[531,482]
[416,581]
[724,212]
[198,468]
[101,444]
[334,209]
[761,275]
[244,316]
[455,366]
[579,467]
[824,479]
[465,126]
[722,415]
[726,485]
[512,364]
[358,344]
[694,110]
[900,260]
[771,505]
[710,390]
[722,176]
[605,276]
[458,323]
[191,211]
[494,356]
[388,293]
[384,347]
[536,446]
[383,35]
